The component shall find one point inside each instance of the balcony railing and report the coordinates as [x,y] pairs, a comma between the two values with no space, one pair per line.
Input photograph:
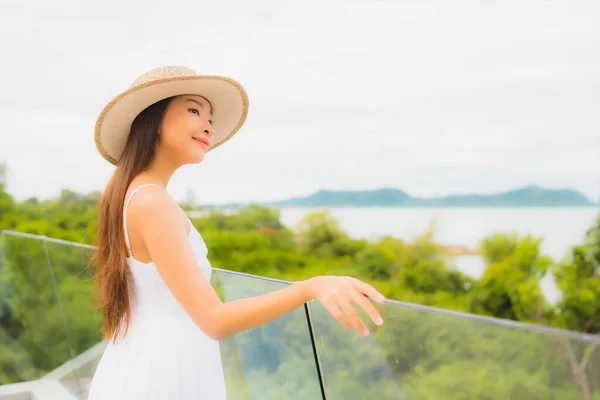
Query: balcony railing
[50,345]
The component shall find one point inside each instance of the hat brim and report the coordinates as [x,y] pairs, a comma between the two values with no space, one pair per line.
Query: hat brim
[228,98]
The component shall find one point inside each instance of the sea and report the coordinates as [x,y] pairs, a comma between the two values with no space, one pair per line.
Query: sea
[559,228]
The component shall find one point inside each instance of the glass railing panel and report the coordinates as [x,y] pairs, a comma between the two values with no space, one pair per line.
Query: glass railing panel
[32,336]
[256,362]
[48,285]
[275,361]
[48,329]
[424,353]
[73,274]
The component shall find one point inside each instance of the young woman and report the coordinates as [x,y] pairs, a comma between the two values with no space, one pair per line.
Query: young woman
[161,315]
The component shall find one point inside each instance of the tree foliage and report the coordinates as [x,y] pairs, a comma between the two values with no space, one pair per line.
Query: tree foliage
[47,313]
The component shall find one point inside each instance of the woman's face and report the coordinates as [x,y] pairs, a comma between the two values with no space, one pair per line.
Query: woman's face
[186,132]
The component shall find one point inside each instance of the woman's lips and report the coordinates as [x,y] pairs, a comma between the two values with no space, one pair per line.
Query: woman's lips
[202,141]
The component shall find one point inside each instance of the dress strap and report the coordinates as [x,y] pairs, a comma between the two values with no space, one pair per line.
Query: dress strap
[133,192]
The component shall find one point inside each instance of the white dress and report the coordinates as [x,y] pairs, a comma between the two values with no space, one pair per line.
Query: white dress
[164,355]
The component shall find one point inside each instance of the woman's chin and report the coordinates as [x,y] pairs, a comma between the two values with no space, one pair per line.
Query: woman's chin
[196,158]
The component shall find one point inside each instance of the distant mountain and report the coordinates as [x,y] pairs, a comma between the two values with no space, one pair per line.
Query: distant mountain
[529,196]
[370,198]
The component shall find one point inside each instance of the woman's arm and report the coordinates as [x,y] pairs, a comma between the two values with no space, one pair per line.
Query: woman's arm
[335,292]
[157,218]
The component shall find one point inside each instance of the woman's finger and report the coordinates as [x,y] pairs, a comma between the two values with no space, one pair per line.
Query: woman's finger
[337,313]
[368,290]
[354,318]
[367,306]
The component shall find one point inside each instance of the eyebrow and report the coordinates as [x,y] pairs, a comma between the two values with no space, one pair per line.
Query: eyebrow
[201,105]
[197,102]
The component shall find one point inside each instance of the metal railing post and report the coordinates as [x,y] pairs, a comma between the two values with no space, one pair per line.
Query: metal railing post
[313,341]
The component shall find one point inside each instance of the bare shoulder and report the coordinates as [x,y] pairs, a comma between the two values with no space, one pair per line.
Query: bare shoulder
[153,207]
[150,197]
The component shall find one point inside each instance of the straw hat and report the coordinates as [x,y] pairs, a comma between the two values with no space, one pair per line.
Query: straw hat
[228,99]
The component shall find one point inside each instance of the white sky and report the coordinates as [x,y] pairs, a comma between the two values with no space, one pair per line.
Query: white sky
[433,97]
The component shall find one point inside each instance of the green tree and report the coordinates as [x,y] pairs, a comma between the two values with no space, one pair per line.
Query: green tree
[7,202]
[319,234]
[510,286]
[578,278]
[376,262]
[46,307]
[422,274]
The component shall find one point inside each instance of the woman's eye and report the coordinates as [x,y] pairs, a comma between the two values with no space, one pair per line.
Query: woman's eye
[210,121]
[193,110]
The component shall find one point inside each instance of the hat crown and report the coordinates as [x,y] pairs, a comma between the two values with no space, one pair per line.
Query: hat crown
[166,72]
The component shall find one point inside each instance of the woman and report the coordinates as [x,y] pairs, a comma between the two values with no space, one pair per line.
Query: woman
[160,312]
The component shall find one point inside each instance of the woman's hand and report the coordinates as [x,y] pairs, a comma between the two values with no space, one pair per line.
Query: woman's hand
[337,293]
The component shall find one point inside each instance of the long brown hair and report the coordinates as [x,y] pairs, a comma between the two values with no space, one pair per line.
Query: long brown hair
[112,275]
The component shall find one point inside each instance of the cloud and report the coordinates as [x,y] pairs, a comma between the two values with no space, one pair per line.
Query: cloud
[432,97]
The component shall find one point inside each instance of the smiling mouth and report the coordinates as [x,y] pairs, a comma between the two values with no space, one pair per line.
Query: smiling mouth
[202,141]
